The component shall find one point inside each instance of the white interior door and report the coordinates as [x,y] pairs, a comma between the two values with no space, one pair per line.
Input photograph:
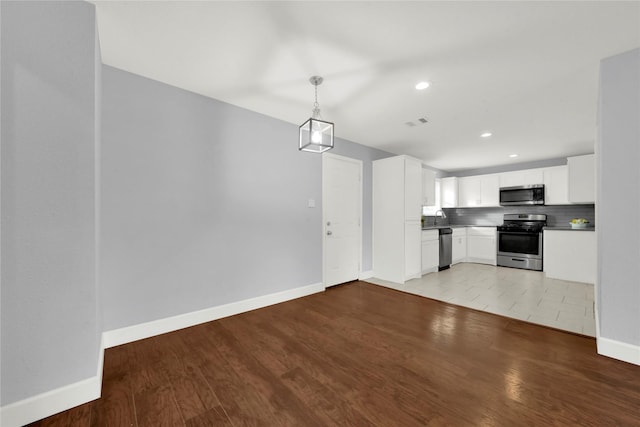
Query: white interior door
[342,212]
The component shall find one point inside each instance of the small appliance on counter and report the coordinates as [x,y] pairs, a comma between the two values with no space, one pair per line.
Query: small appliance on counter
[520,241]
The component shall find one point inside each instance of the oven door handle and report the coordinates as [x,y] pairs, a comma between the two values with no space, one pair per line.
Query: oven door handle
[521,232]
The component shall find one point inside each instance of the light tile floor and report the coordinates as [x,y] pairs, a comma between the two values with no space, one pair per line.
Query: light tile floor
[510,292]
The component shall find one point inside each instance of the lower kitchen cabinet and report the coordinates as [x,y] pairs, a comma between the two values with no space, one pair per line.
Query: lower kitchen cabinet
[412,250]
[481,245]
[430,251]
[459,245]
[570,255]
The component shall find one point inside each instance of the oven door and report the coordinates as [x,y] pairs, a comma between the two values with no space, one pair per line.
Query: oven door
[520,250]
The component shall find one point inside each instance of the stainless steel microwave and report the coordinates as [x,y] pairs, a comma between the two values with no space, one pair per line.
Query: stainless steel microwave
[522,195]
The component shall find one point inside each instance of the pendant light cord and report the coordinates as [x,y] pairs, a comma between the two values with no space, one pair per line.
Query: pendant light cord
[316,106]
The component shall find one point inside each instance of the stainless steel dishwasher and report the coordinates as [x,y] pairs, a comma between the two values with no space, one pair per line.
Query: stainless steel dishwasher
[445,248]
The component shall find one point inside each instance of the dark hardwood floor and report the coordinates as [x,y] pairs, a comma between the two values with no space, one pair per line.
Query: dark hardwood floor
[362,355]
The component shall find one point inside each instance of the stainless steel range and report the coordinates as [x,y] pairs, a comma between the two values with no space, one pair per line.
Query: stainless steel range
[520,241]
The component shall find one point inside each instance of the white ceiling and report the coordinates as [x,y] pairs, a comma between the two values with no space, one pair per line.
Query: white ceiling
[526,71]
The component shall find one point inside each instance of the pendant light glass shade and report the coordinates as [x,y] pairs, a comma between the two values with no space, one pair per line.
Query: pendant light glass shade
[316,135]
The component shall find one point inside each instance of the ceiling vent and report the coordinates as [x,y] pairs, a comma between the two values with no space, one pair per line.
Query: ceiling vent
[420,121]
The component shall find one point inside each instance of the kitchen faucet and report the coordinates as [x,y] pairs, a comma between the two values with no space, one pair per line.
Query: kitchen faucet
[435,216]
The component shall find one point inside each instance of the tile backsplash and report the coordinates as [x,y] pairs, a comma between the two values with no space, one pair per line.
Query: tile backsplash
[559,215]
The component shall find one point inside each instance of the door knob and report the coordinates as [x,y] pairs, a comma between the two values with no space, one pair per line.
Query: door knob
[329,233]
[328,223]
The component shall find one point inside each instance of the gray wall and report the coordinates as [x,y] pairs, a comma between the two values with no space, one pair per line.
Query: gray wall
[618,197]
[50,335]
[204,203]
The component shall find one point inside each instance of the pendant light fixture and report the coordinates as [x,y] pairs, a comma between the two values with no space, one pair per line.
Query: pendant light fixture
[316,135]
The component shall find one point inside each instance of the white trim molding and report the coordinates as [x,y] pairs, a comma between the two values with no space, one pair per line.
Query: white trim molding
[619,350]
[364,275]
[161,326]
[51,402]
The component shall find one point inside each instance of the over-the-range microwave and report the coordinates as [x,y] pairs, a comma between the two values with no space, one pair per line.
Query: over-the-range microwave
[522,195]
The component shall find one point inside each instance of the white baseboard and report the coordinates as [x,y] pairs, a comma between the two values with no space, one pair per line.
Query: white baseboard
[619,350]
[51,402]
[364,275]
[161,326]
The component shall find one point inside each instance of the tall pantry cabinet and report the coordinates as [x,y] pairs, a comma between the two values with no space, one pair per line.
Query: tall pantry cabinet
[397,210]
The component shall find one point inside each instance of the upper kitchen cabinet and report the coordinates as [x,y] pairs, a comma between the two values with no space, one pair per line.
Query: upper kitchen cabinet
[481,190]
[449,192]
[556,185]
[412,189]
[469,191]
[428,187]
[523,177]
[397,210]
[489,190]
[582,179]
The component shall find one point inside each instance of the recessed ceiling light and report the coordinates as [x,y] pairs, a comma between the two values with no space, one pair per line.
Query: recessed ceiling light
[513,155]
[422,85]
[486,135]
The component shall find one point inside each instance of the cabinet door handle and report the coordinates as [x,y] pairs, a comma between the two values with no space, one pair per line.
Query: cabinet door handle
[329,233]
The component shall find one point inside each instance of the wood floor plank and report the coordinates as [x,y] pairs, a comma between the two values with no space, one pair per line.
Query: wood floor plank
[193,394]
[384,402]
[279,399]
[156,407]
[115,408]
[263,343]
[362,355]
[214,417]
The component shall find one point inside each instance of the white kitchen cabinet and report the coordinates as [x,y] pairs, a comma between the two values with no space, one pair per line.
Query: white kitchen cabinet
[481,190]
[489,190]
[458,245]
[481,245]
[430,251]
[397,209]
[428,187]
[412,254]
[522,177]
[556,185]
[469,192]
[511,179]
[449,192]
[532,177]
[582,179]
[570,255]
[412,189]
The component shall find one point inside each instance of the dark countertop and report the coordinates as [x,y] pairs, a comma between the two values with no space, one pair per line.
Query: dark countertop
[437,227]
[568,228]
